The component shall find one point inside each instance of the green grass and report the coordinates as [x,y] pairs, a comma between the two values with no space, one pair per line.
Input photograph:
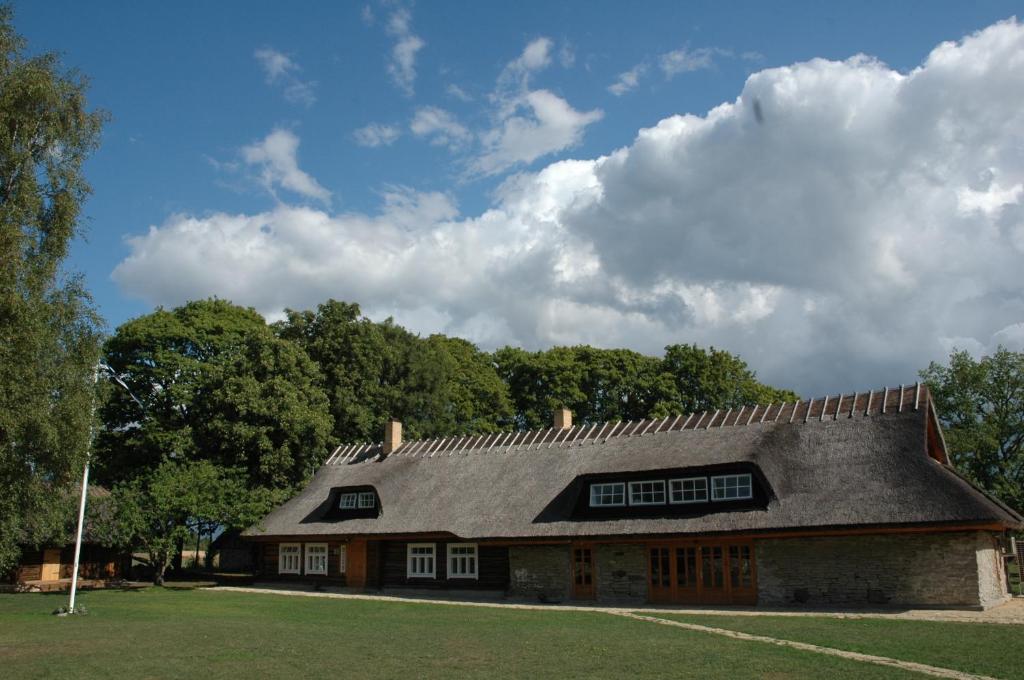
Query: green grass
[985,648]
[158,633]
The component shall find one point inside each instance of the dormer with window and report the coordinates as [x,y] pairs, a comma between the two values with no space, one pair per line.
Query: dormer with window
[671,492]
[352,503]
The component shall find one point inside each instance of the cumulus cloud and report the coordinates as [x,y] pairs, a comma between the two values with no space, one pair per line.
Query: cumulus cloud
[440,126]
[627,80]
[866,222]
[376,134]
[402,67]
[528,124]
[280,69]
[276,159]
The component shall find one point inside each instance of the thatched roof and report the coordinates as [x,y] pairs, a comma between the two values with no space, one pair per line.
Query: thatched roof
[826,466]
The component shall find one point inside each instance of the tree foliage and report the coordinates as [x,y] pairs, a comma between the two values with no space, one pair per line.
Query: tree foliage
[600,385]
[981,406]
[161,509]
[49,331]
[224,402]
[375,371]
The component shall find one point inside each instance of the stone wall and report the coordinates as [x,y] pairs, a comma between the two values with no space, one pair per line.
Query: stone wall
[539,572]
[941,569]
[621,573]
[992,586]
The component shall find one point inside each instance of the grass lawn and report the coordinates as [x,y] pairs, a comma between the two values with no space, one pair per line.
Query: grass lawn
[157,633]
[983,648]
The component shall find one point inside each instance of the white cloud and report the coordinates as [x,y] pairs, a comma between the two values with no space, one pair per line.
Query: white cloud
[457,92]
[685,60]
[567,55]
[827,241]
[275,156]
[403,55]
[376,134]
[279,68]
[540,124]
[440,126]
[628,80]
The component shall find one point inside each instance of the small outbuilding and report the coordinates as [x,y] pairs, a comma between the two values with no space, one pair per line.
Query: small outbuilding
[844,501]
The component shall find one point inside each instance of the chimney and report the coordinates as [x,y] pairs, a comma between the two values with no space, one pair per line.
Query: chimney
[392,436]
[563,419]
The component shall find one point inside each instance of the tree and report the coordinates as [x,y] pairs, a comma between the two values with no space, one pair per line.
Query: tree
[708,379]
[375,371]
[49,330]
[981,407]
[160,509]
[217,387]
[597,385]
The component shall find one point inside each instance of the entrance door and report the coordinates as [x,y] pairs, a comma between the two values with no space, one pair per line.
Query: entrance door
[583,572]
[696,572]
[51,565]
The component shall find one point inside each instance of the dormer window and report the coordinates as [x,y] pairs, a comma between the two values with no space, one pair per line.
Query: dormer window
[607,495]
[647,492]
[688,490]
[347,501]
[731,487]
[366,499]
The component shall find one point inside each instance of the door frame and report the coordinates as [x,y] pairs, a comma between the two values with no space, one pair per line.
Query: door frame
[727,594]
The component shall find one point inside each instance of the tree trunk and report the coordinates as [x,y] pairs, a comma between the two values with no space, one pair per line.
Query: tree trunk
[178,550]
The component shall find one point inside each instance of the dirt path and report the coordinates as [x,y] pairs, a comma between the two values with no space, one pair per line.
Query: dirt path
[934,671]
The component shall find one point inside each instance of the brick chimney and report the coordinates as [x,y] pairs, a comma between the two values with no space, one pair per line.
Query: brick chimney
[392,436]
[563,419]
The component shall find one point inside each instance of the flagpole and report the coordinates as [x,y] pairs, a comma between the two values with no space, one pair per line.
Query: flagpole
[85,492]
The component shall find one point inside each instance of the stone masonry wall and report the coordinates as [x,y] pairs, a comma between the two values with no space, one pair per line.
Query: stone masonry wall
[539,572]
[941,569]
[621,573]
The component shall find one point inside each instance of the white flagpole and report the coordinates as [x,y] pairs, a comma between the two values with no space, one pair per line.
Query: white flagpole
[85,491]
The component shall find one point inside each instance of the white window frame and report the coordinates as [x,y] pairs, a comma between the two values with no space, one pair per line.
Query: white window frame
[348,501]
[726,478]
[469,559]
[369,497]
[664,496]
[324,558]
[343,558]
[595,495]
[682,490]
[282,554]
[409,560]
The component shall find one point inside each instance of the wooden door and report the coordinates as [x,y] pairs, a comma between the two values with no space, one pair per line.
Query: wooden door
[51,565]
[713,588]
[659,573]
[583,586]
[698,572]
[355,566]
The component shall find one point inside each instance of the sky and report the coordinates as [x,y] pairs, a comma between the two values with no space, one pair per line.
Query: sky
[834,192]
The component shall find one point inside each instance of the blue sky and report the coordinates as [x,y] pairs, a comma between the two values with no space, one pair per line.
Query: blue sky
[236,128]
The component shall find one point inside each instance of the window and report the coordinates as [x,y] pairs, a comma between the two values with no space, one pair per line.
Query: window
[420,560]
[647,493]
[731,487]
[366,499]
[347,501]
[289,558]
[316,558]
[342,559]
[603,495]
[689,490]
[462,562]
